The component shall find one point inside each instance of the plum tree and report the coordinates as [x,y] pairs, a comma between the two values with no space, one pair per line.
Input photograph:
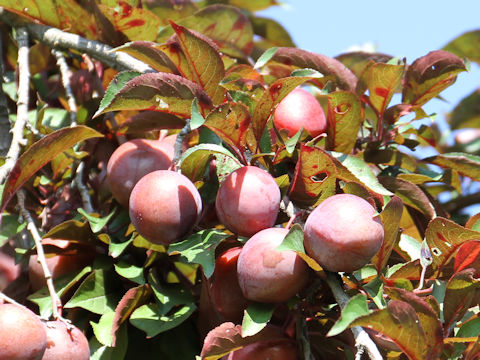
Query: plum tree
[248,201]
[343,233]
[58,265]
[226,294]
[271,350]
[134,159]
[269,275]
[65,343]
[22,334]
[164,206]
[300,109]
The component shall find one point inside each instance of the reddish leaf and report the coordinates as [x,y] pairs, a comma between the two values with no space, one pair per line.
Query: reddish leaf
[428,318]
[162,92]
[148,121]
[399,322]
[395,112]
[204,61]
[444,237]
[230,122]
[133,299]
[332,69]
[461,290]
[168,10]
[40,153]
[345,116]
[410,270]
[148,52]
[356,61]
[226,25]
[315,177]
[468,256]
[465,164]
[390,216]
[430,75]
[227,337]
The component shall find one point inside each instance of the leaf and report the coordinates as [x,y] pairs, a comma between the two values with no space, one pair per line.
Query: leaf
[162,92]
[459,296]
[252,5]
[466,113]
[256,317]
[226,25]
[272,33]
[103,329]
[148,319]
[390,217]
[117,83]
[148,121]
[400,323]
[474,222]
[71,230]
[204,61]
[39,154]
[103,352]
[429,75]
[230,121]
[195,160]
[464,164]
[132,300]
[444,237]
[468,256]
[332,69]
[200,248]
[96,223]
[168,295]
[357,61]
[147,52]
[10,227]
[357,306]
[130,272]
[382,81]
[411,194]
[265,57]
[117,249]
[97,293]
[466,45]
[392,157]
[345,116]
[315,176]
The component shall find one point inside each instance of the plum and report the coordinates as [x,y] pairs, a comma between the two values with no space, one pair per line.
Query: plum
[266,274]
[248,201]
[65,343]
[164,206]
[300,109]
[343,233]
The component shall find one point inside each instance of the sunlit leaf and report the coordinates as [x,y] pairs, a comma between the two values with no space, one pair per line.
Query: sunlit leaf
[466,113]
[357,306]
[40,153]
[468,256]
[103,329]
[392,157]
[464,164]
[357,61]
[168,295]
[117,83]
[252,5]
[147,52]
[256,317]
[146,121]
[466,45]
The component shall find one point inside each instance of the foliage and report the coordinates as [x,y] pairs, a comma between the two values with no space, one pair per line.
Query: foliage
[207,67]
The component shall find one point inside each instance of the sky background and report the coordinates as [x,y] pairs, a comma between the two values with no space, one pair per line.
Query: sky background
[405,28]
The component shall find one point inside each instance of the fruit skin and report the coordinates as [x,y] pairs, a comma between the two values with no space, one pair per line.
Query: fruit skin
[64,344]
[269,275]
[300,109]
[343,233]
[226,294]
[271,350]
[248,201]
[22,334]
[58,264]
[164,206]
[134,159]
[9,271]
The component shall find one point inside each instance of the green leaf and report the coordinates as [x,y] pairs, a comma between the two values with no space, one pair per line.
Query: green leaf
[168,295]
[357,61]
[203,59]
[148,53]
[357,306]
[466,46]
[148,318]
[103,329]
[293,240]
[291,143]
[470,328]
[103,352]
[130,272]
[39,154]
[256,317]
[117,249]
[118,82]
[464,164]
[466,113]
[10,227]
[200,248]
[98,293]
[161,92]
[96,223]
[271,31]
[265,57]
[197,119]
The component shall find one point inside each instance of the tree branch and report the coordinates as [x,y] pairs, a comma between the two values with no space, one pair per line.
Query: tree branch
[64,71]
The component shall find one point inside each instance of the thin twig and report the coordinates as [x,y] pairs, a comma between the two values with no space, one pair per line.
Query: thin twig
[362,340]
[32,228]
[82,188]
[9,299]
[22,105]
[56,38]
[179,143]
[64,71]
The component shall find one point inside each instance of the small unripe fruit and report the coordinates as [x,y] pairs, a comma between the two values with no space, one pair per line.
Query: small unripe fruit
[248,201]
[134,159]
[64,343]
[164,206]
[22,334]
[300,109]
[269,275]
[343,233]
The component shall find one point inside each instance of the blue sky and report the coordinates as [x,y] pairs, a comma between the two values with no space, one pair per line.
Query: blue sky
[403,28]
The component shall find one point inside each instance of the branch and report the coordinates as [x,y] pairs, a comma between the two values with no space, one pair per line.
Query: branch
[56,38]
[5,136]
[22,105]
[82,188]
[64,71]
[461,202]
[31,227]
[362,340]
